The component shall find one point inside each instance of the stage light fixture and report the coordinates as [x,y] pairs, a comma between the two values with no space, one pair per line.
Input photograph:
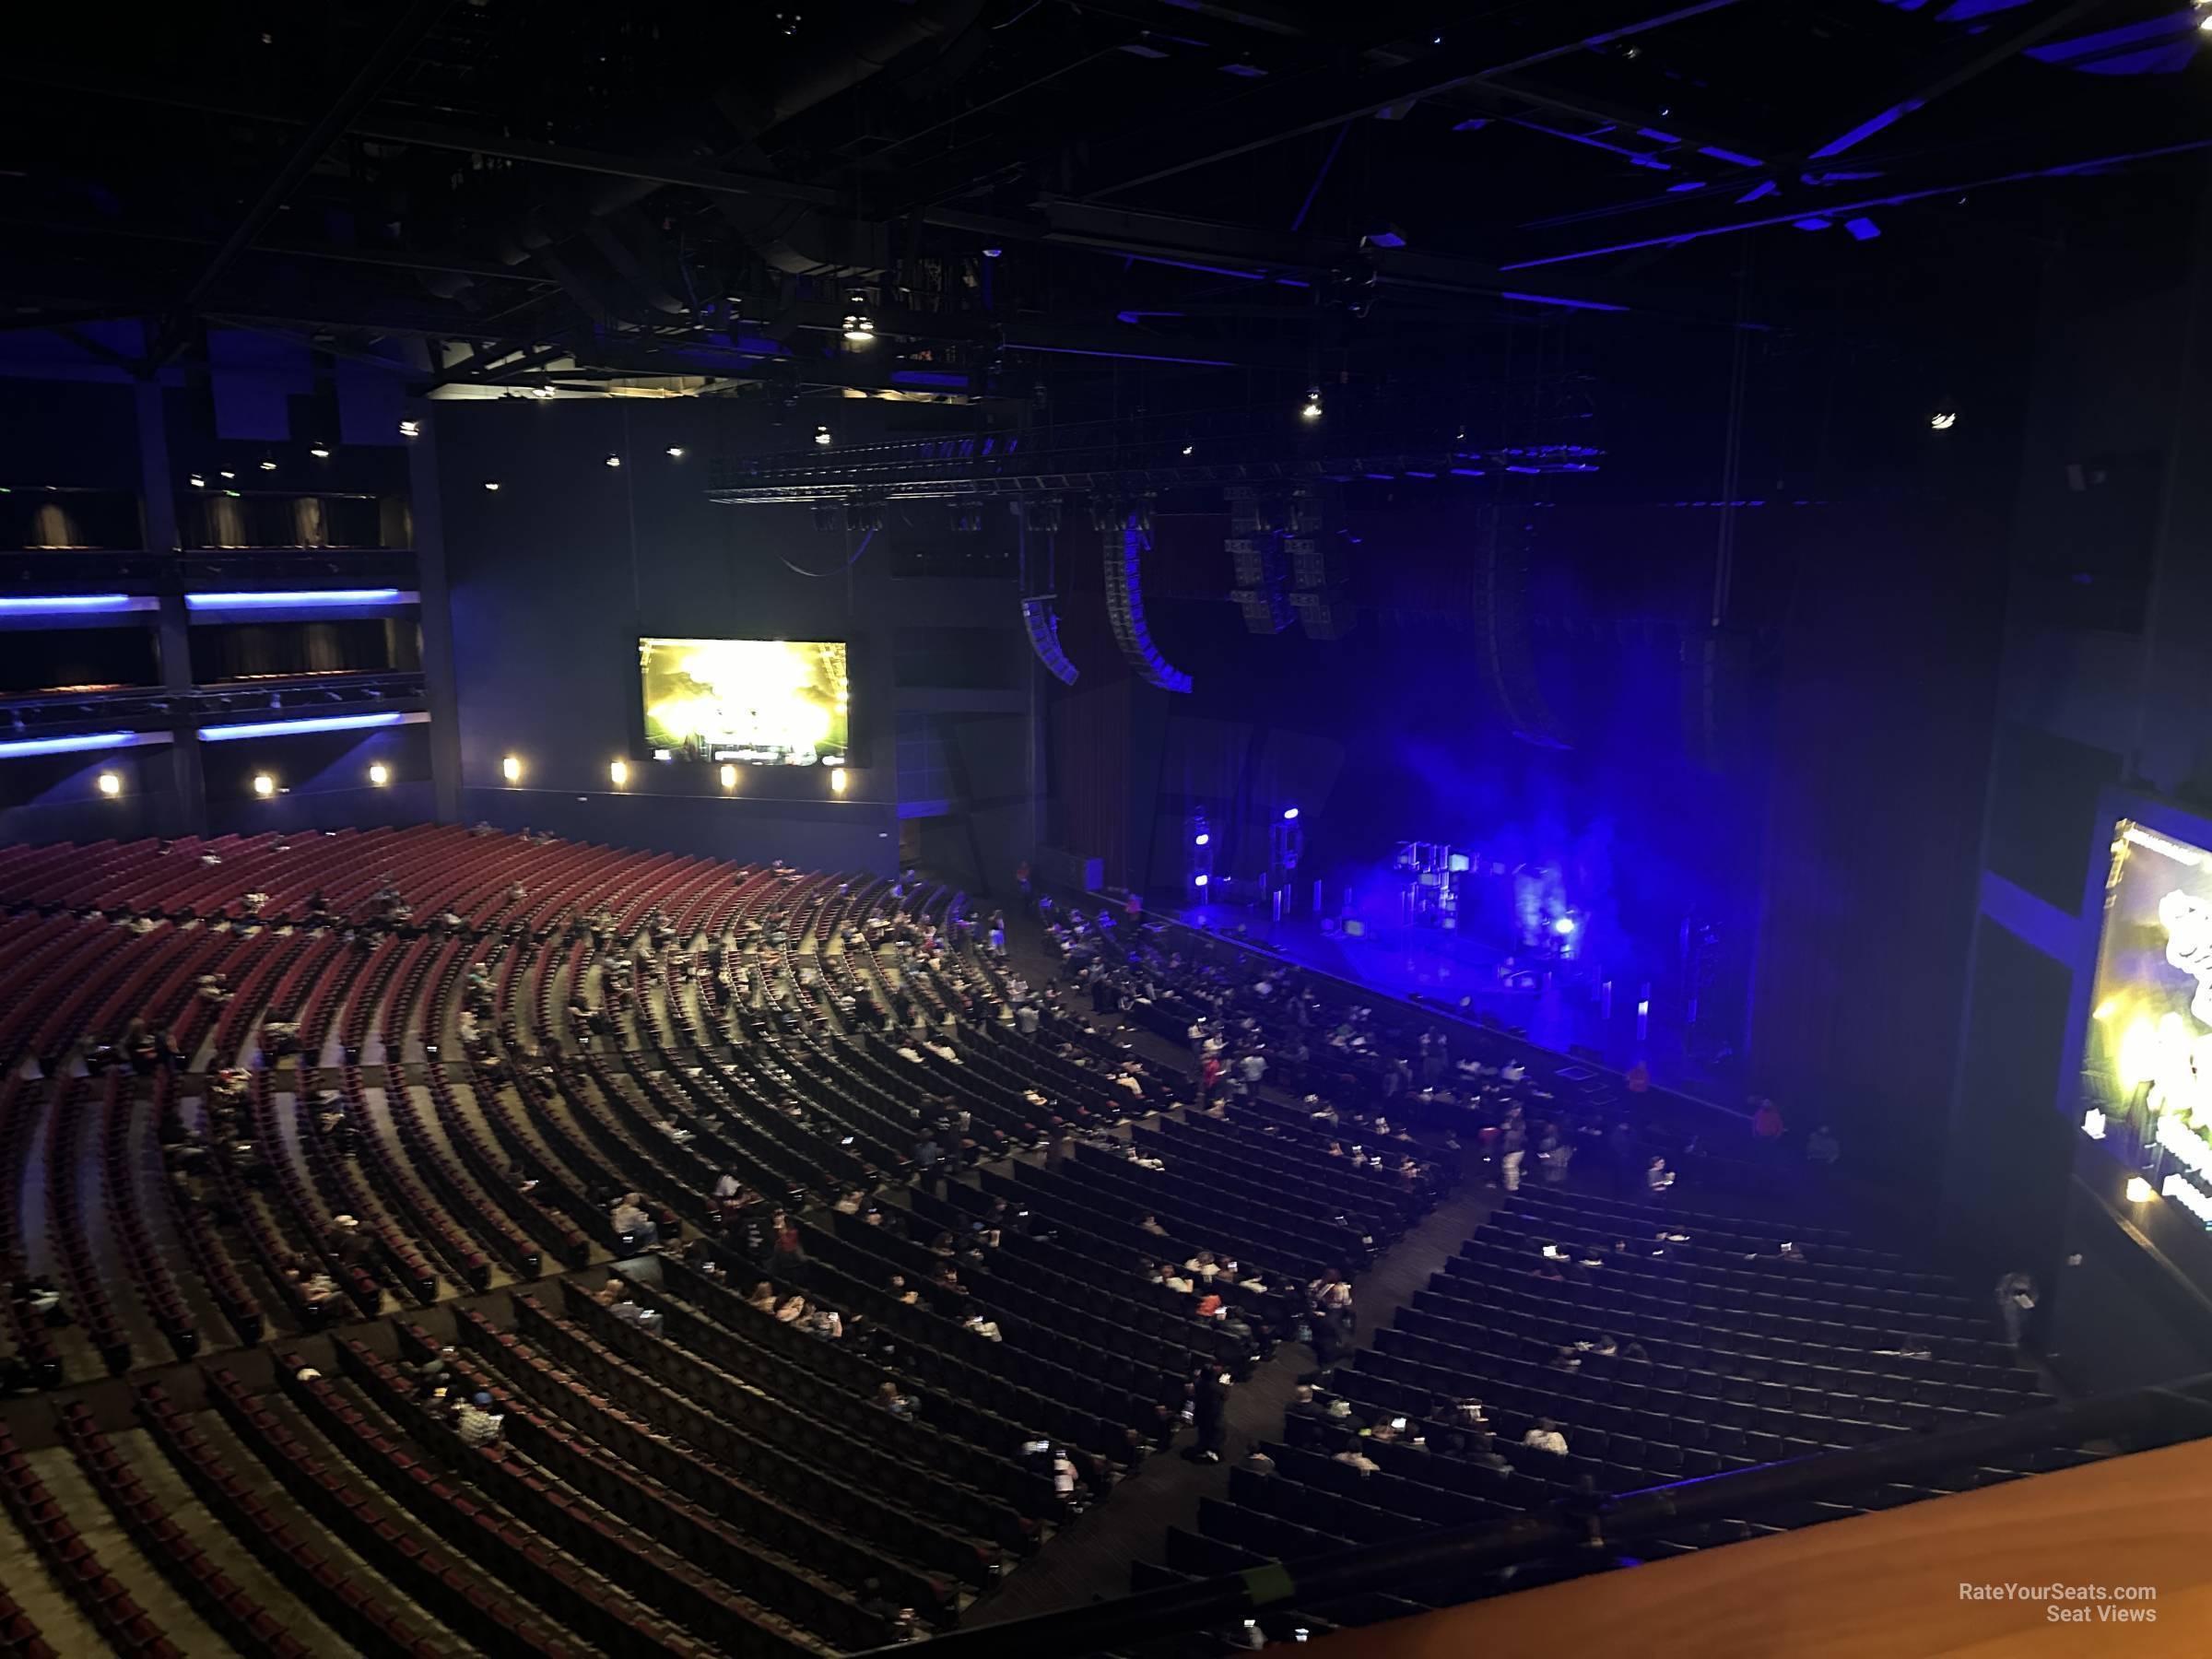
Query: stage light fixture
[264,785]
[992,252]
[59,604]
[859,331]
[614,461]
[1201,879]
[729,777]
[410,429]
[491,484]
[619,773]
[1563,926]
[676,452]
[1188,448]
[837,780]
[379,774]
[321,451]
[196,481]
[109,784]
[2138,1190]
[1290,813]
[266,466]
[822,436]
[510,769]
[1310,408]
[541,391]
[828,515]
[1202,840]
[227,473]
[1943,421]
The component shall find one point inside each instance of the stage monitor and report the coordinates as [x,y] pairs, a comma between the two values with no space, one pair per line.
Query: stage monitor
[2146,1062]
[761,703]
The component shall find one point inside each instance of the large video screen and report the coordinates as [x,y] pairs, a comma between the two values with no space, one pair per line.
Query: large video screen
[766,703]
[2147,1064]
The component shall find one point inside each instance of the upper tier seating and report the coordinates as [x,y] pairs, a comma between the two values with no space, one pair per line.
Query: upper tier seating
[265,1089]
[872,1362]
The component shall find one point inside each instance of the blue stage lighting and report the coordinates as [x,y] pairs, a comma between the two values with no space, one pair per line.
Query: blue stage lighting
[289,728]
[66,746]
[299,597]
[62,605]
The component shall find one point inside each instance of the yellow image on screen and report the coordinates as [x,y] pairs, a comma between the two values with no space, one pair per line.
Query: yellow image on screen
[769,702]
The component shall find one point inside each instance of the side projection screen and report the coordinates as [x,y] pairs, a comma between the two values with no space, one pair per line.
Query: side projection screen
[2146,1062]
[766,703]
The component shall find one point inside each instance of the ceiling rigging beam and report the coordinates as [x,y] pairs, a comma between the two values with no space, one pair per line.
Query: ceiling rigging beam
[367,81]
[1297,106]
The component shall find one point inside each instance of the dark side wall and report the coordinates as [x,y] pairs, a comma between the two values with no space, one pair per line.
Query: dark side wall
[2104,689]
[557,574]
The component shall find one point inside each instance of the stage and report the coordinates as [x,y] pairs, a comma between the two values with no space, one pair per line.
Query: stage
[1566,1010]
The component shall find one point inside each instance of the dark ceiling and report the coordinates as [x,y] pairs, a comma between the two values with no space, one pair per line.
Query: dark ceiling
[505,195]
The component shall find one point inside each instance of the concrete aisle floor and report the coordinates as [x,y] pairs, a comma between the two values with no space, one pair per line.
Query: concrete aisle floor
[1091,1560]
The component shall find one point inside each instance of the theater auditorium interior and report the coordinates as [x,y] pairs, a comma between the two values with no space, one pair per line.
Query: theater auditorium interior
[1106,826]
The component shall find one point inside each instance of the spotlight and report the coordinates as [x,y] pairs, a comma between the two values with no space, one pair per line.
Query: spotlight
[837,780]
[379,774]
[1943,421]
[109,784]
[859,331]
[614,460]
[321,451]
[822,436]
[676,452]
[992,252]
[1290,813]
[491,484]
[2138,1189]
[410,429]
[1202,840]
[264,785]
[619,773]
[1310,408]
[1188,448]
[228,474]
[1200,880]
[1563,926]
[196,481]
[510,769]
[267,465]
[729,777]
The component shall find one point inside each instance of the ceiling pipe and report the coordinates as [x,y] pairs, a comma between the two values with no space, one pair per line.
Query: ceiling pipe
[776,89]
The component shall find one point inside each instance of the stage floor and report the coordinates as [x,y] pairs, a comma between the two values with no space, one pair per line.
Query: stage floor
[1567,1011]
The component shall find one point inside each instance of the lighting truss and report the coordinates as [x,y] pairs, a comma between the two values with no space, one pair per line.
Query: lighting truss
[1121,461]
[1124,549]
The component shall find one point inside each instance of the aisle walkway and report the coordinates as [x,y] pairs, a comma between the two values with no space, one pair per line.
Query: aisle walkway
[1091,1560]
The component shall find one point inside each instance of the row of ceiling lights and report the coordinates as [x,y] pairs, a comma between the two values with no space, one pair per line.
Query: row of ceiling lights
[265,783]
[618,773]
[510,769]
